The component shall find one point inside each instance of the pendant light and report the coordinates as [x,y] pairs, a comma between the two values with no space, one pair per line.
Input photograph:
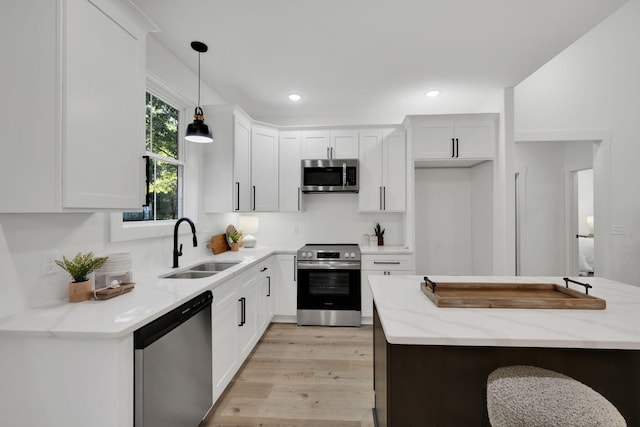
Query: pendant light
[198,131]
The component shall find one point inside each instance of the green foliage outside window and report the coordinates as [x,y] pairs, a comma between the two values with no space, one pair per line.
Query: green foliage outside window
[162,127]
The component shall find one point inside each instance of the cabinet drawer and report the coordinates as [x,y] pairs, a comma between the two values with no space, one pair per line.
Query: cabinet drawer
[387,262]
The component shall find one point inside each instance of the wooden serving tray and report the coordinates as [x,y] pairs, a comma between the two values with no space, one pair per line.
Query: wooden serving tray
[509,295]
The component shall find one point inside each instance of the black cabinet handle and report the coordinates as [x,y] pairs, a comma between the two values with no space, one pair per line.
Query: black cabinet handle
[264,269]
[384,198]
[453,147]
[269,286]
[380,196]
[295,268]
[254,198]
[237,196]
[243,311]
[457,148]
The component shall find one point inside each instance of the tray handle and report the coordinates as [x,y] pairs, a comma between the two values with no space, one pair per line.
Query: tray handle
[433,284]
[586,285]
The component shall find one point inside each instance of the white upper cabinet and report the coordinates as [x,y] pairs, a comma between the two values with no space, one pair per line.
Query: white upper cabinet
[290,197]
[329,144]
[462,136]
[242,192]
[75,122]
[241,165]
[383,170]
[264,169]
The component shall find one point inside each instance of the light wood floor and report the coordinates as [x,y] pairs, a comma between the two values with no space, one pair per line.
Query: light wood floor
[302,376]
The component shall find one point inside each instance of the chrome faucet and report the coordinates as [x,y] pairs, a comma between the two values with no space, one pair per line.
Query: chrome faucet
[178,252]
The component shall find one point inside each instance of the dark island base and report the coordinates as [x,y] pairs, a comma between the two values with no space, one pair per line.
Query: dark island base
[423,385]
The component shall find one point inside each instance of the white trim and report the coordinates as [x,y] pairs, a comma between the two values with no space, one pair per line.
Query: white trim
[124,231]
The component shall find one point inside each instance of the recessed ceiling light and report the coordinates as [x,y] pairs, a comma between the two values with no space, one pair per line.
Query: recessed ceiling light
[295,97]
[433,93]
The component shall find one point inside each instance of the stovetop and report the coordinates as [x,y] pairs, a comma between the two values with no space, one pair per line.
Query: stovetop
[329,252]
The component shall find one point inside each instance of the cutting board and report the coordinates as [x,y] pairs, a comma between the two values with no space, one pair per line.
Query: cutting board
[218,244]
[509,295]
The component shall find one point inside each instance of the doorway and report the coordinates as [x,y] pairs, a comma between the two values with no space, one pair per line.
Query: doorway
[547,200]
[583,262]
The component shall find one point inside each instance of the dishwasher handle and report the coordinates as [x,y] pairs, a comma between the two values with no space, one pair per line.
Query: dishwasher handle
[153,331]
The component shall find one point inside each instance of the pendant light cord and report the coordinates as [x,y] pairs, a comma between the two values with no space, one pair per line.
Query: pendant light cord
[198,79]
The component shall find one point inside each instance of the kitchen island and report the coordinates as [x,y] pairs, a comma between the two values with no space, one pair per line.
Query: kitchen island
[431,363]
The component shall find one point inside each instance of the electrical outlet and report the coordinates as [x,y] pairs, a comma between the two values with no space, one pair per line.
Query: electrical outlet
[618,230]
[48,264]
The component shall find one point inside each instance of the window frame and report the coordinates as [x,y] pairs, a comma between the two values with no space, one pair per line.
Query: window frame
[134,230]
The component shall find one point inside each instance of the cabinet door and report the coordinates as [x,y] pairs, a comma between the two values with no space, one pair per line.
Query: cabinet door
[344,144]
[433,138]
[242,191]
[224,329]
[103,111]
[475,137]
[394,172]
[247,319]
[370,170]
[315,145]
[265,303]
[286,288]
[289,195]
[264,169]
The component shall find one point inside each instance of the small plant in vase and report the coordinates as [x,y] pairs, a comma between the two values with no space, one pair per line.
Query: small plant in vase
[379,231]
[79,268]
[234,236]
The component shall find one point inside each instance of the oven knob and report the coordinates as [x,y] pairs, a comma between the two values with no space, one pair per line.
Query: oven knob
[309,254]
[346,254]
[353,255]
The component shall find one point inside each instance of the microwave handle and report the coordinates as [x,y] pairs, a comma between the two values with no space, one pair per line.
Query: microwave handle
[344,175]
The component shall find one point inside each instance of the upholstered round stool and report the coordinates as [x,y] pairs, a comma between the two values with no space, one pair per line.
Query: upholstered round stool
[528,396]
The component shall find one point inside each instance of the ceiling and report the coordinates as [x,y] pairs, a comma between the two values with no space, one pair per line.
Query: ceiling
[368,61]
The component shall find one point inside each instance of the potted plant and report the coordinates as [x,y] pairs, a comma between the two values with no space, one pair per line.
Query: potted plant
[79,268]
[379,233]
[234,235]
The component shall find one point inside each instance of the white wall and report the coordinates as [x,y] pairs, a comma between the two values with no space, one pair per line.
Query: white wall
[593,88]
[585,199]
[327,218]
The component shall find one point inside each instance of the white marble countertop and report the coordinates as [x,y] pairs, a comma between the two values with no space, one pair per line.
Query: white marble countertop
[385,250]
[119,316]
[409,317]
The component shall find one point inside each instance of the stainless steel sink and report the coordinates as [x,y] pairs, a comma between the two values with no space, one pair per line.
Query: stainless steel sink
[189,274]
[204,269]
[214,266]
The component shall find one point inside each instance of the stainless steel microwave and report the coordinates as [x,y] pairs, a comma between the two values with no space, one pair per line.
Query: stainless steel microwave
[330,176]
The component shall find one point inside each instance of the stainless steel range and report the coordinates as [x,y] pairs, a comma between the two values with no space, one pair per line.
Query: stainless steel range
[329,285]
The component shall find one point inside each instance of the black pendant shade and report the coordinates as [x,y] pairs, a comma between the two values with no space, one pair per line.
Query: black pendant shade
[198,131]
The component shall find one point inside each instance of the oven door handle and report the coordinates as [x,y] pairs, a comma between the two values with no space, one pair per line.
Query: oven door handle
[333,265]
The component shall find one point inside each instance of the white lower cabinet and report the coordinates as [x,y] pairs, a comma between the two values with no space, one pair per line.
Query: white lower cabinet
[266,276]
[285,302]
[380,265]
[241,312]
[224,322]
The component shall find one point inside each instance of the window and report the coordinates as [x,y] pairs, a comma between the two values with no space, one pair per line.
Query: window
[164,163]
[173,168]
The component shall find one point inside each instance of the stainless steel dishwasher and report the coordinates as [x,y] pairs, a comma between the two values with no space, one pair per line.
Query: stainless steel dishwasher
[172,367]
